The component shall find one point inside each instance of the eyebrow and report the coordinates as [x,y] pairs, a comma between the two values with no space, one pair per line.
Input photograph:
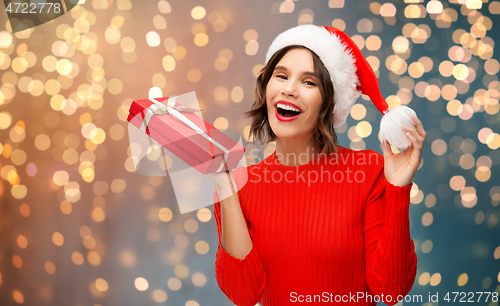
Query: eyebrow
[308,73]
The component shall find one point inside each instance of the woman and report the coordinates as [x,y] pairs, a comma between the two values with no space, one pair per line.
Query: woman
[316,222]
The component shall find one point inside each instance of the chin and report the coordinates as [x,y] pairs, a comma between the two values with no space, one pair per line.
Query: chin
[286,134]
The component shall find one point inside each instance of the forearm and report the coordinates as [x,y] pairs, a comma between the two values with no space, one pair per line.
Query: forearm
[391,258]
[238,268]
[235,238]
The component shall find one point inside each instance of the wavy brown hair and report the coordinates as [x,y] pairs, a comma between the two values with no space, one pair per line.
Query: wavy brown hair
[324,135]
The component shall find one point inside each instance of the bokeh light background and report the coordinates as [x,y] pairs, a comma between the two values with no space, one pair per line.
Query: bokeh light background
[79,227]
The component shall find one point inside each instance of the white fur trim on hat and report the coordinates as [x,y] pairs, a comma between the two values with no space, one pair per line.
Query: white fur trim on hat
[338,61]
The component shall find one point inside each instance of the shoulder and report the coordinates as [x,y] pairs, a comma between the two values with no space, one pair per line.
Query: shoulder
[245,174]
[259,166]
[374,157]
[350,157]
[365,152]
[367,161]
[372,166]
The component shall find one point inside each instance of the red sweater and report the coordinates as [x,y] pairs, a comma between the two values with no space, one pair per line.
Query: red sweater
[343,237]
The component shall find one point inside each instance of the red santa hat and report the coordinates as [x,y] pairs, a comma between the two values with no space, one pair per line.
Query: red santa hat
[351,75]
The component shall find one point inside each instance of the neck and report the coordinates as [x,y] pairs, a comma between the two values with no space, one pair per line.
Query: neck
[295,152]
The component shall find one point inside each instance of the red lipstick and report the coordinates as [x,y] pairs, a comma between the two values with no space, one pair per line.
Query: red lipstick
[283,118]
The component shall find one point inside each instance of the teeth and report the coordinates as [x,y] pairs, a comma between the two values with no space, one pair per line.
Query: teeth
[288,107]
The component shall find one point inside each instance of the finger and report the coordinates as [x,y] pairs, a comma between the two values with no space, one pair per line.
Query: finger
[419,126]
[417,144]
[411,138]
[417,151]
[386,149]
[414,133]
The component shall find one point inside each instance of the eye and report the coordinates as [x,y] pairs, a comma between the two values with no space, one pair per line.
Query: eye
[310,83]
[281,76]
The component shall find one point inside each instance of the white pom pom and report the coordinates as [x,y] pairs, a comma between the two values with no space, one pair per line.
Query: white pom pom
[391,126]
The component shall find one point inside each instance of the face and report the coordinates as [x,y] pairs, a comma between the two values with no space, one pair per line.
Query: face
[293,96]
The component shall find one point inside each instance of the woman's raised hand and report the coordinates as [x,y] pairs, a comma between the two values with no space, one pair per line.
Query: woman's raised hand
[400,168]
[224,182]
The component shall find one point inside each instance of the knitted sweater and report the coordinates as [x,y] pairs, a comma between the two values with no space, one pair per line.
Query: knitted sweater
[333,230]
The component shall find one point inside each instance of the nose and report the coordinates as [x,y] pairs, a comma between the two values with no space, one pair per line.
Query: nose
[289,90]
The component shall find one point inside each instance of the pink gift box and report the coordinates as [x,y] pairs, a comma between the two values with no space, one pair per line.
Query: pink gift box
[186,143]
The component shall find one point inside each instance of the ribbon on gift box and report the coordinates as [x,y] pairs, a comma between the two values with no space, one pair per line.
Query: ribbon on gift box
[158,108]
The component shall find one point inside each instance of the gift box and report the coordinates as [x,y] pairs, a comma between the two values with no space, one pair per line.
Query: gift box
[185,134]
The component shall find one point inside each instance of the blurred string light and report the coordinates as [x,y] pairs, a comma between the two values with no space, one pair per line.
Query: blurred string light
[62,143]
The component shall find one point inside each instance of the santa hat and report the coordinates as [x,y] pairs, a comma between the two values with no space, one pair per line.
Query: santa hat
[351,75]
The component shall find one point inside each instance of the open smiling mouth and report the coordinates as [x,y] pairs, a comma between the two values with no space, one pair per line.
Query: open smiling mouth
[287,113]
